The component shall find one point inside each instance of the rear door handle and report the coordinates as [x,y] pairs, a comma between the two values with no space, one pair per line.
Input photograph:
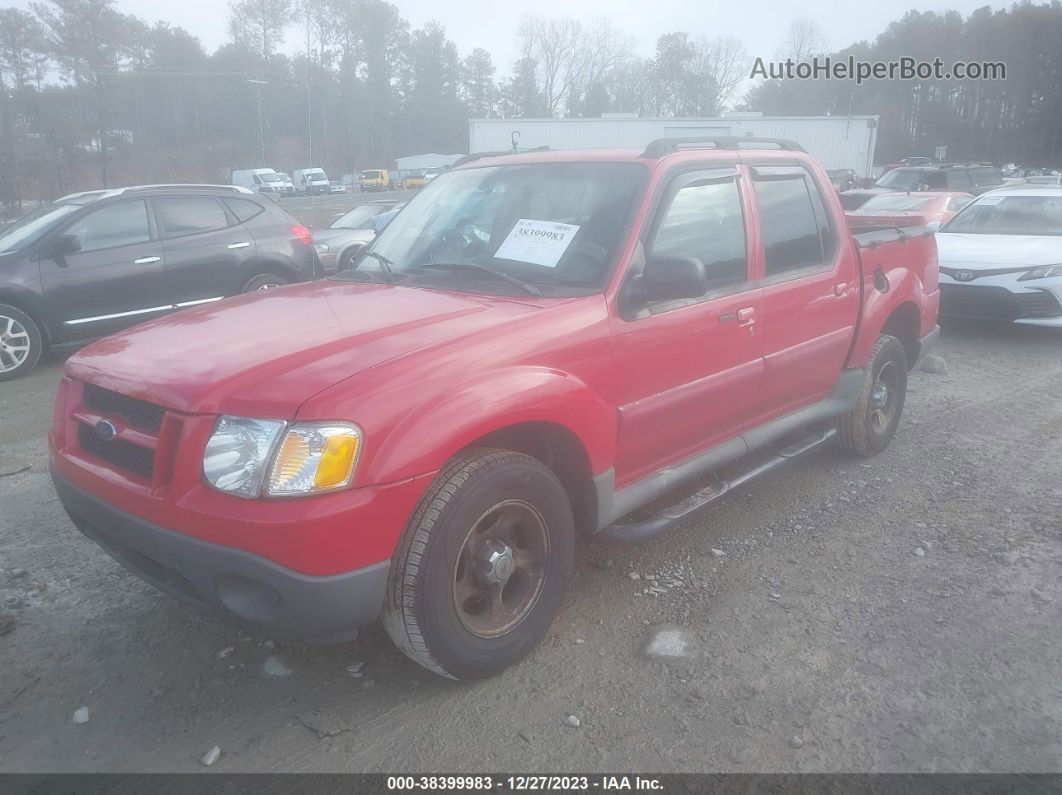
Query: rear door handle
[146,260]
[239,245]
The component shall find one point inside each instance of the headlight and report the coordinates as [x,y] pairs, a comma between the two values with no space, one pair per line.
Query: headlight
[320,248]
[252,458]
[237,456]
[313,458]
[1043,272]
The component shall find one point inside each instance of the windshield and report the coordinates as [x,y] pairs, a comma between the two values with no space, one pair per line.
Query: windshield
[903,178]
[555,226]
[1010,215]
[896,203]
[370,174]
[360,217]
[271,176]
[28,228]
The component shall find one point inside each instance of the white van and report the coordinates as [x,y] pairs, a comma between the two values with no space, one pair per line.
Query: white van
[260,180]
[311,180]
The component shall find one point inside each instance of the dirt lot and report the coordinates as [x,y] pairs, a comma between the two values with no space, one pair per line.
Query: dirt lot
[897,615]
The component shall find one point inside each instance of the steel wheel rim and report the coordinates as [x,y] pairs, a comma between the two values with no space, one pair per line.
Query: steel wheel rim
[884,397]
[14,344]
[489,601]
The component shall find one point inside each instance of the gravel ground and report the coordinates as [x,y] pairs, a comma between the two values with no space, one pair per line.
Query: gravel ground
[900,614]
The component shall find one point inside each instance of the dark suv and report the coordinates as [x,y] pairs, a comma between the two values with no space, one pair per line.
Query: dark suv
[92,263]
[975,178]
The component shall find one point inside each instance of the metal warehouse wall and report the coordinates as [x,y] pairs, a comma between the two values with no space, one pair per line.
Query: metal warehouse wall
[835,141]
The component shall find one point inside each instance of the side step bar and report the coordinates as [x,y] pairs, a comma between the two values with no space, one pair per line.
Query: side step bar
[633,532]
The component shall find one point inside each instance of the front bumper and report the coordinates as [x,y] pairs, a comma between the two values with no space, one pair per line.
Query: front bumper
[238,585]
[1003,298]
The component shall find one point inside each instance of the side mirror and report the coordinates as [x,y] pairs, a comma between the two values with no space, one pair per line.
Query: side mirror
[61,246]
[667,278]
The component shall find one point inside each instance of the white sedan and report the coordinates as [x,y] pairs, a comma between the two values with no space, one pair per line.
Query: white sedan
[1001,257]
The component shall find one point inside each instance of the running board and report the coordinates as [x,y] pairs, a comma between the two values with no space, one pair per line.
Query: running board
[633,532]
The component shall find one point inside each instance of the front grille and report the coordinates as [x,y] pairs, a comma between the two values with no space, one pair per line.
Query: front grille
[125,455]
[140,414]
[996,303]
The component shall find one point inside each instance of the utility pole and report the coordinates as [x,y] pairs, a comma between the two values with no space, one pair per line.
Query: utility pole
[309,66]
[261,131]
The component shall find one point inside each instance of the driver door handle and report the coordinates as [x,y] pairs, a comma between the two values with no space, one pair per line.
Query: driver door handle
[146,260]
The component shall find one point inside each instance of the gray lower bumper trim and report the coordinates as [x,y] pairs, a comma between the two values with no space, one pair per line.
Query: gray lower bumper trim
[238,585]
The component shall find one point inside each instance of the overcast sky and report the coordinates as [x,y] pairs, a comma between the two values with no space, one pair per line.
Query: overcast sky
[760,24]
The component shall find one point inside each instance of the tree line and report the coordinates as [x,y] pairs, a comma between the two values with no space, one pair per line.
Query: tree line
[90,96]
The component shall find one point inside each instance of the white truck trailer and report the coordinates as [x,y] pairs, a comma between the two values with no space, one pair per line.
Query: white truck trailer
[838,142]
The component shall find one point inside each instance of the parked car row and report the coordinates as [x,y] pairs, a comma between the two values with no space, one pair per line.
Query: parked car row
[92,263]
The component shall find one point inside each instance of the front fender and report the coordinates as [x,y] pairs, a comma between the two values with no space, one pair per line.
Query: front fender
[437,429]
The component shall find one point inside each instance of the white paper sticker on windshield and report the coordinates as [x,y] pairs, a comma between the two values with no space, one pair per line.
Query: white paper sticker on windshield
[538,242]
[991,199]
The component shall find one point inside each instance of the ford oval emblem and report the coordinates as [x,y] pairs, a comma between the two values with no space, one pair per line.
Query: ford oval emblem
[105,430]
[965,276]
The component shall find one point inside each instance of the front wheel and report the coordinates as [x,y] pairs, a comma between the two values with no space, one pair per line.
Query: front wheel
[869,427]
[20,343]
[483,566]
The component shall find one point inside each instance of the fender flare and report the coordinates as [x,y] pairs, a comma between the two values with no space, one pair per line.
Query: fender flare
[905,287]
[423,440]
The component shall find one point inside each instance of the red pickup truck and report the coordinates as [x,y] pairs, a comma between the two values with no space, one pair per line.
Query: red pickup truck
[539,347]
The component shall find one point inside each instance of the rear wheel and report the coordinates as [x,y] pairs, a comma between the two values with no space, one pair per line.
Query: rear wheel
[264,281]
[21,343]
[483,566]
[869,427]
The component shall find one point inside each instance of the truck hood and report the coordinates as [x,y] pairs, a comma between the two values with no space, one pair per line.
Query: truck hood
[266,353]
[997,251]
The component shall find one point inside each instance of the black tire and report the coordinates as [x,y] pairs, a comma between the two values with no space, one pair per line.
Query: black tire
[869,427]
[421,611]
[264,281]
[346,258]
[21,343]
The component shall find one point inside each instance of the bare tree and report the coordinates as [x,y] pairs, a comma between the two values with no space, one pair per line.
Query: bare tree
[259,24]
[803,41]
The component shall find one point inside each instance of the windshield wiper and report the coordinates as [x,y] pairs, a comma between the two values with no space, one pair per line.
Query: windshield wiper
[385,265]
[525,286]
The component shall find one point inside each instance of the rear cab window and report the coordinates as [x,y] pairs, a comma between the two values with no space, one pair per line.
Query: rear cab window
[797,232]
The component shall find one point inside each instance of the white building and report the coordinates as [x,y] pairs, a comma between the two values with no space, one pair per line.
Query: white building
[835,141]
[421,162]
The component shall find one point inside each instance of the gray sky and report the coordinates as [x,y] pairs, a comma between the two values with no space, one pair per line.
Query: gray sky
[760,24]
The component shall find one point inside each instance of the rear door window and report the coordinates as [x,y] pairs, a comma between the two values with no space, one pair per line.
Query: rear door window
[244,209]
[957,179]
[986,176]
[191,215]
[796,230]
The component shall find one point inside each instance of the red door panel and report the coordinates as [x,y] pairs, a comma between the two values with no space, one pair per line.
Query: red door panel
[687,379]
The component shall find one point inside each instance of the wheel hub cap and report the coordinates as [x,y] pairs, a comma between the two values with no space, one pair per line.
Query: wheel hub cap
[880,397]
[500,570]
[495,565]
